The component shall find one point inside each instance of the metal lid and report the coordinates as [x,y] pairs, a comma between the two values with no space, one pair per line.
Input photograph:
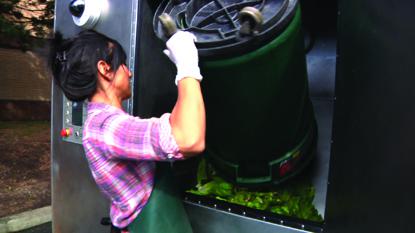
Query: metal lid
[227,27]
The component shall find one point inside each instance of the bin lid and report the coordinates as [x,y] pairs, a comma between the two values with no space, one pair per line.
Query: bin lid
[227,27]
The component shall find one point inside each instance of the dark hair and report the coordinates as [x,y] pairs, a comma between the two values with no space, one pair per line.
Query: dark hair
[74,62]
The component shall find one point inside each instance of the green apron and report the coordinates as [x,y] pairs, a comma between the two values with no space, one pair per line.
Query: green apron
[164,211]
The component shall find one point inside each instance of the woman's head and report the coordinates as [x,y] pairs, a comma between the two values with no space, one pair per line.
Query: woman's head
[74,62]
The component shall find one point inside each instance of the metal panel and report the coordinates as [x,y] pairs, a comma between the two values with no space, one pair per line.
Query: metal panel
[321,67]
[78,206]
[214,220]
[372,167]
[320,166]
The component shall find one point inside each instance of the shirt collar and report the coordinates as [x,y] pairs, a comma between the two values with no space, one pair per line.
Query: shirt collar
[93,106]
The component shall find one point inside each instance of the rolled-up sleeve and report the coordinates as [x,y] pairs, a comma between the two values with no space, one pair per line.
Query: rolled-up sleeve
[167,141]
[129,137]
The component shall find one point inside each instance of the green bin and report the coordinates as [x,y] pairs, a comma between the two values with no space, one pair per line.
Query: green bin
[260,122]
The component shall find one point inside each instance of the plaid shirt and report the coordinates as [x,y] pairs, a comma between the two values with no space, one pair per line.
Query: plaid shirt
[121,150]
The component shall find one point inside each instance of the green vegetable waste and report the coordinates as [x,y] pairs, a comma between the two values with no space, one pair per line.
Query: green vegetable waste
[295,200]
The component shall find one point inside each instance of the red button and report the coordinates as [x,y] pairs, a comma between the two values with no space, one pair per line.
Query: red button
[66,132]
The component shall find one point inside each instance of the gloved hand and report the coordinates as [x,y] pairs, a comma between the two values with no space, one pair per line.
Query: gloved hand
[182,51]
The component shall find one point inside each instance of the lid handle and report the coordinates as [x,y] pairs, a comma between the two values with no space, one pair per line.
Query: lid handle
[251,19]
[169,26]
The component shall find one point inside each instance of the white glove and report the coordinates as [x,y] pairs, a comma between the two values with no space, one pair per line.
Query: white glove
[182,51]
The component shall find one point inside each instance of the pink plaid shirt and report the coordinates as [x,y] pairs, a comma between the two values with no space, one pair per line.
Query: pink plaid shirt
[121,150]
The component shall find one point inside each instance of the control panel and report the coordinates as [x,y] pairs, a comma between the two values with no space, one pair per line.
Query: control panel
[74,115]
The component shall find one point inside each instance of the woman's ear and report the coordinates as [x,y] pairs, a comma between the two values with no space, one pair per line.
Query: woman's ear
[104,70]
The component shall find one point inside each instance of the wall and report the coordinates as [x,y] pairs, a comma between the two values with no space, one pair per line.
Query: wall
[25,85]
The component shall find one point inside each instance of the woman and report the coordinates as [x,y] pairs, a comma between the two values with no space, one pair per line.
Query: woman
[122,149]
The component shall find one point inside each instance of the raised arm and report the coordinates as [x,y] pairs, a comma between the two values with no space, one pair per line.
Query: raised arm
[188,116]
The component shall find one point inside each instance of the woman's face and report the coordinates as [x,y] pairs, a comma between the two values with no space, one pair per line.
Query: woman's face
[122,82]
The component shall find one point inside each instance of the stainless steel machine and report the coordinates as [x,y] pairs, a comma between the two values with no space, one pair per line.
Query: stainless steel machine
[360,88]
[78,206]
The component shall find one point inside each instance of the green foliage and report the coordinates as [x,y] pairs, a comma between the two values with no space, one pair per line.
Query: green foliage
[14,24]
[295,200]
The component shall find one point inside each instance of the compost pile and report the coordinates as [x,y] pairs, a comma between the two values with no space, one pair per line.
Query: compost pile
[294,200]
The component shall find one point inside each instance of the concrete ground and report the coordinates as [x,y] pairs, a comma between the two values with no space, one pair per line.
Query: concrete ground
[33,221]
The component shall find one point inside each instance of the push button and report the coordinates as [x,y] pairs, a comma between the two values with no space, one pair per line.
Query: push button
[66,132]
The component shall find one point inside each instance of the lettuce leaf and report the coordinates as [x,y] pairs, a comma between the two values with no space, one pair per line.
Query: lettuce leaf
[295,200]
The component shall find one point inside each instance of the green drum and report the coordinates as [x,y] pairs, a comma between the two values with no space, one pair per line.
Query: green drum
[260,122]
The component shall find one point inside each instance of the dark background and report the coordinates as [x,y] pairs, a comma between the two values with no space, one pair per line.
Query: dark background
[371,185]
